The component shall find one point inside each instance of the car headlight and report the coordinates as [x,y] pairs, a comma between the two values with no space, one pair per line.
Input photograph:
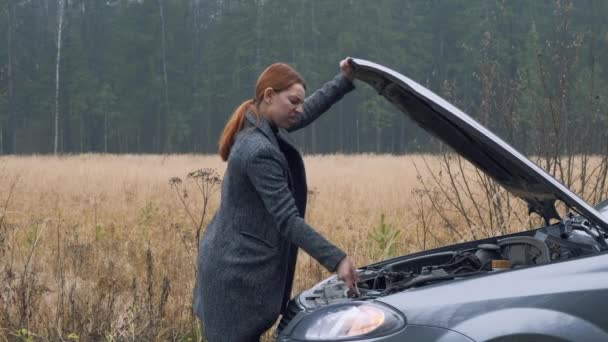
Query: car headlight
[349,321]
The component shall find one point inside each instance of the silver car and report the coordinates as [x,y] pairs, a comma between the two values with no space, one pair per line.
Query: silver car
[545,284]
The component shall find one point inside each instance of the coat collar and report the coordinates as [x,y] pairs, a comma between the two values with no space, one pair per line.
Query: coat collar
[264,126]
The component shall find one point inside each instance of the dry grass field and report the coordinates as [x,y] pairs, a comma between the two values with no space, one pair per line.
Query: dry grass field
[101,248]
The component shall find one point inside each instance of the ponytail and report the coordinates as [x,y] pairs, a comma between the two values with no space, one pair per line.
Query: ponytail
[278,76]
[233,126]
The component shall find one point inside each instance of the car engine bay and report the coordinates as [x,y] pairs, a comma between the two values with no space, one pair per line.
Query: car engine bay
[570,238]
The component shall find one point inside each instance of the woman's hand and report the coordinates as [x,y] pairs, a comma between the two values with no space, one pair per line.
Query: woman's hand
[347,272]
[346,69]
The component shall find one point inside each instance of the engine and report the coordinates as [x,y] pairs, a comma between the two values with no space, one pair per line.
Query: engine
[557,242]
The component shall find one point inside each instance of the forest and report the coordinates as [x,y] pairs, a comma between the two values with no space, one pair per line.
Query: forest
[163,76]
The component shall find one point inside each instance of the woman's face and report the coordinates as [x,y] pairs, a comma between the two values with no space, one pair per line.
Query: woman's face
[283,107]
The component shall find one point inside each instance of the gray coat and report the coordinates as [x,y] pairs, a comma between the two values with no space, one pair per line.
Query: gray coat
[248,252]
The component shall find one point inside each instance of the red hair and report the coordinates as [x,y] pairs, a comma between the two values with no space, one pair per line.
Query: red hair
[278,76]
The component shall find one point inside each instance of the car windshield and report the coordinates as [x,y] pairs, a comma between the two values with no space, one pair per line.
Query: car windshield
[603,208]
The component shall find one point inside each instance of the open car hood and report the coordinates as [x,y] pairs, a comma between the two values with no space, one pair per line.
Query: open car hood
[478,145]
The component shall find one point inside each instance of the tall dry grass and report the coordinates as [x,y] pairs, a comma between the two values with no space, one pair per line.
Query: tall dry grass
[101,247]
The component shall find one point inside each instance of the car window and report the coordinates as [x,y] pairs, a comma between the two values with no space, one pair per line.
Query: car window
[603,207]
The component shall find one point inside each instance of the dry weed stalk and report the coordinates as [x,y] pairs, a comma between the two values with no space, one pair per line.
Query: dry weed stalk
[207,182]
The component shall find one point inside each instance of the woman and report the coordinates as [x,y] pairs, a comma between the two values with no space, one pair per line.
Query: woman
[247,254]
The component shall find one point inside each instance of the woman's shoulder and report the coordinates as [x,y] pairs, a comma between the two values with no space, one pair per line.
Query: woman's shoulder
[250,142]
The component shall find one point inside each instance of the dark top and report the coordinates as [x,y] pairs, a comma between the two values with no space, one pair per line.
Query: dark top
[274,127]
[293,160]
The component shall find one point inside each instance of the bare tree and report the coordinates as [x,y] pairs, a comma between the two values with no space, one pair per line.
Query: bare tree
[12,132]
[163,113]
[60,13]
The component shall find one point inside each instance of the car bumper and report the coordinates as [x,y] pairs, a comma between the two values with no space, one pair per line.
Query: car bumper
[295,313]
[416,333]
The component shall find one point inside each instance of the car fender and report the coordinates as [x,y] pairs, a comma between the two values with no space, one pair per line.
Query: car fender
[541,325]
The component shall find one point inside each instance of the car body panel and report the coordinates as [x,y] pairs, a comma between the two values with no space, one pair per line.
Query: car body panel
[478,145]
[564,299]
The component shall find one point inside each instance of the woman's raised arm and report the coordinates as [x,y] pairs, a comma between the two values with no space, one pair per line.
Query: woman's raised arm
[323,98]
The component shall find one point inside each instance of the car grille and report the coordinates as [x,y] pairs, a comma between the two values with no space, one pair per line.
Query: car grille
[290,312]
